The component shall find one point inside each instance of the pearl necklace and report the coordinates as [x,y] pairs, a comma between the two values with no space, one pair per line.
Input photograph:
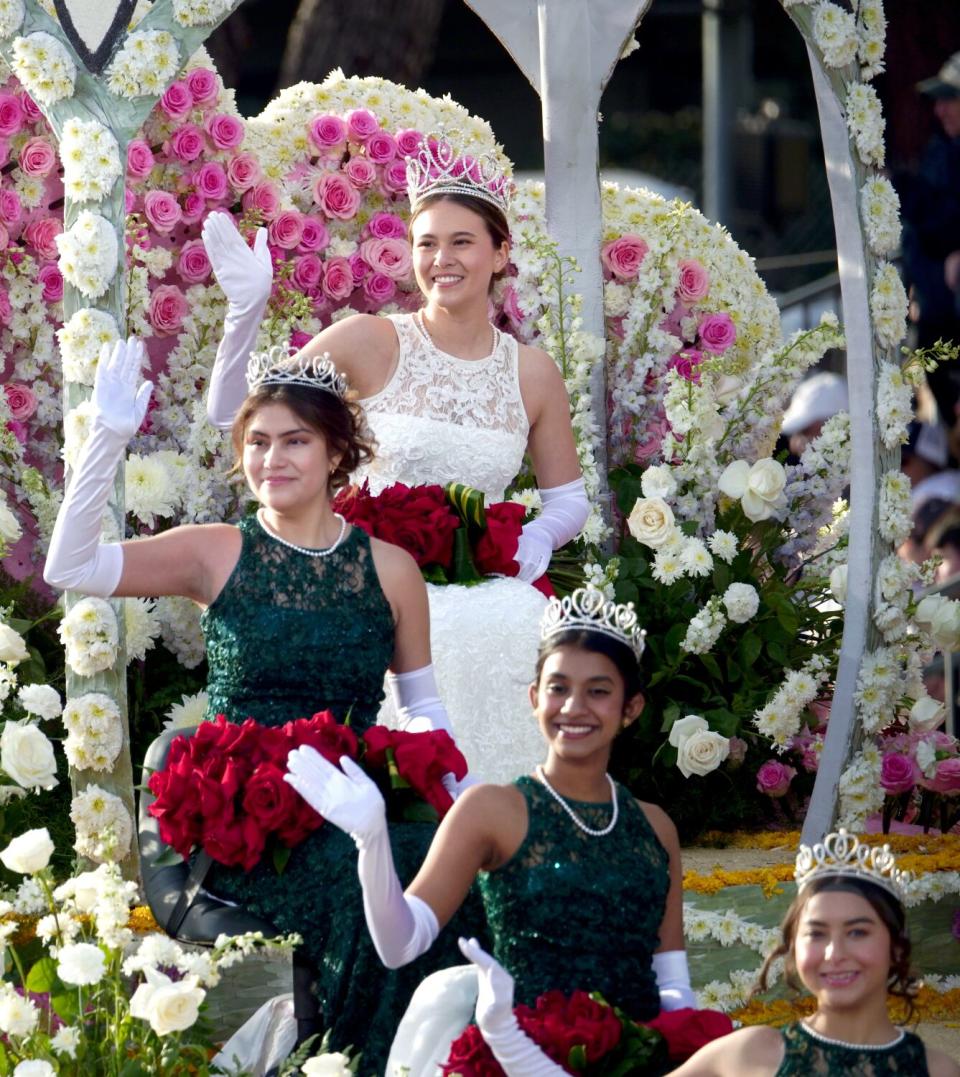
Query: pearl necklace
[421,319]
[306,551]
[573,815]
[853,1046]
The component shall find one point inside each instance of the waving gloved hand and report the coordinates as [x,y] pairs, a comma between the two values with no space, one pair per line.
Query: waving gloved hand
[347,797]
[245,275]
[120,397]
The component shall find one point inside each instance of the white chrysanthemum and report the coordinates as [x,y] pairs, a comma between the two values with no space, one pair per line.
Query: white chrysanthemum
[741,601]
[181,631]
[94,731]
[81,339]
[142,625]
[190,711]
[41,700]
[835,32]
[200,12]
[149,488]
[44,67]
[888,306]
[81,964]
[667,565]
[894,405]
[18,1015]
[77,424]
[11,17]
[724,544]
[89,635]
[695,558]
[66,1040]
[880,211]
[103,824]
[88,254]
[896,520]
[91,160]
[865,123]
[144,65]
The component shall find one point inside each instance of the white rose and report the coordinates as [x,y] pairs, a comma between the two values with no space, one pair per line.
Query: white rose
[27,755]
[18,1016]
[34,1067]
[926,758]
[926,714]
[945,626]
[330,1065]
[28,853]
[701,753]
[81,963]
[12,647]
[10,530]
[41,700]
[758,487]
[658,481]
[686,727]
[838,584]
[742,602]
[651,522]
[927,608]
[167,1006]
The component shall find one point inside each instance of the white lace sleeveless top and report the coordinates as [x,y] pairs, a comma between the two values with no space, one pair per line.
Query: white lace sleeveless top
[441,419]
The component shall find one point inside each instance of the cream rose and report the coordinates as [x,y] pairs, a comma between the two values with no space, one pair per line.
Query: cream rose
[757,487]
[26,755]
[945,626]
[838,584]
[329,1065]
[651,522]
[926,714]
[702,753]
[686,727]
[10,530]
[167,1006]
[12,647]
[28,853]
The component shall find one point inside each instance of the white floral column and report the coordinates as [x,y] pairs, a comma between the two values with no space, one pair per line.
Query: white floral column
[95,113]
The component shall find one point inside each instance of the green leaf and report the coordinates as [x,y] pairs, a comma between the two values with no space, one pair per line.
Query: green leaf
[42,977]
[750,647]
[722,721]
[777,653]
[64,1004]
[721,576]
[671,712]
[674,638]
[712,666]
[281,854]
[463,570]
[577,1059]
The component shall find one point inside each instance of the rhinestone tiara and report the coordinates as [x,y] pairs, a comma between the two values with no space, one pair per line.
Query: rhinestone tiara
[587,609]
[437,168]
[841,855]
[281,365]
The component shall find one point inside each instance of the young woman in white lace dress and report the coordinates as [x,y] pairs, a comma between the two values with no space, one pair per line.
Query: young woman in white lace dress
[450,399]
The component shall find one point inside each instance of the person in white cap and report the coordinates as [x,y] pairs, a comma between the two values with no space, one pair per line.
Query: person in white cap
[815,400]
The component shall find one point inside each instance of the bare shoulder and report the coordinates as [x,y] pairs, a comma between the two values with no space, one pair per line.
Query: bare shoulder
[393,560]
[940,1064]
[362,346]
[498,813]
[748,1052]
[663,826]
[536,366]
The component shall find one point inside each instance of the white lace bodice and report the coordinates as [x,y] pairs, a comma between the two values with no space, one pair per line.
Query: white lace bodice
[442,419]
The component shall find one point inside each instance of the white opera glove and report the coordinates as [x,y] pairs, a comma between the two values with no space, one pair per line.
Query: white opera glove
[673,980]
[401,927]
[511,1046]
[246,277]
[418,703]
[565,510]
[77,560]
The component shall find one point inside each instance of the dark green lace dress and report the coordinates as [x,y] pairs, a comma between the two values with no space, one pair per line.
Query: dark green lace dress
[571,912]
[288,636]
[809,1055]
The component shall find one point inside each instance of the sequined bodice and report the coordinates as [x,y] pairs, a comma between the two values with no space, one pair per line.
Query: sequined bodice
[290,635]
[571,912]
[806,1054]
[442,419]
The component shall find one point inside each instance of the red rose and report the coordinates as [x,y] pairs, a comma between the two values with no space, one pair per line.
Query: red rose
[323,732]
[268,798]
[233,842]
[416,518]
[471,1057]
[686,1031]
[422,759]
[497,546]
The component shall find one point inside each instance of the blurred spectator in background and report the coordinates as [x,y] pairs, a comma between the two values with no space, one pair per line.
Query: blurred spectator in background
[930,202]
[815,400]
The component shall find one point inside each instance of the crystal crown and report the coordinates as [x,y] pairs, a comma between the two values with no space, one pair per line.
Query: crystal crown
[842,855]
[280,366]
[587,609]
[437,168]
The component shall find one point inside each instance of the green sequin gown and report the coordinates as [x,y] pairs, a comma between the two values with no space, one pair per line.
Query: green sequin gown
[573,912]
[288,636]
[809,1055]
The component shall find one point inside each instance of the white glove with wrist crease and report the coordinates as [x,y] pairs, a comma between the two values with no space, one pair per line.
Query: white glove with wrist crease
[673,980]
[565,511]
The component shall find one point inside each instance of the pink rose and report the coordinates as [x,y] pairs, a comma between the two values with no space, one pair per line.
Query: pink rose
[649,443]
[946,778]
[187,142]
[52,280]
[286,230]
[379,288]
[225,131]
[5,310]
[408,141]
[203,85]
[687,364]
[31,110]
[210,181]
[327,132]
[37,157]
[264,198]
[299,339]
[361,172]
[774,778]
[361,124]
[381,147]
[4,237]
[168,308]
[314,236]
[388,256]
[19,431]
[898,773]
[194,207]
[20,400]
[358,267]
[338,280]
[395,177]
[129,200]
[10,210]
[693,283]
[243,171]
[139,159]
[386,226]
[162,210]
[737,753]
[307,270]
[717,332]
[193,264]
[511,305]
[624,256]
[4,151]
[40,234]
[11,114]
[673,321]
[177,101]
[336,196]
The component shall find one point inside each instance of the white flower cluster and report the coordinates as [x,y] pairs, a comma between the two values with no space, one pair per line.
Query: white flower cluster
[704,628]
[835,34]
[142,627]
[602,577]
[200,12]
[729,994]
[724,544]
[180,630]
[741,601]
[700,750]
[865,123]
[888,306]
[190,711]
[860,791]
[879,688]
[91,160]
[94,731]
[89,634]
[880,213]
[894,405]
[77,424]
[147,61]
[779,718]
[26,756]
[872,28]
[19,1016]
[88,254]
[44,66]
[104,895]
[150,487]
[727,928]
[103,824]
[814,485]
[895,520]
[938,618]
[40,700]
[892,594]
[11,16]
[82,336]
